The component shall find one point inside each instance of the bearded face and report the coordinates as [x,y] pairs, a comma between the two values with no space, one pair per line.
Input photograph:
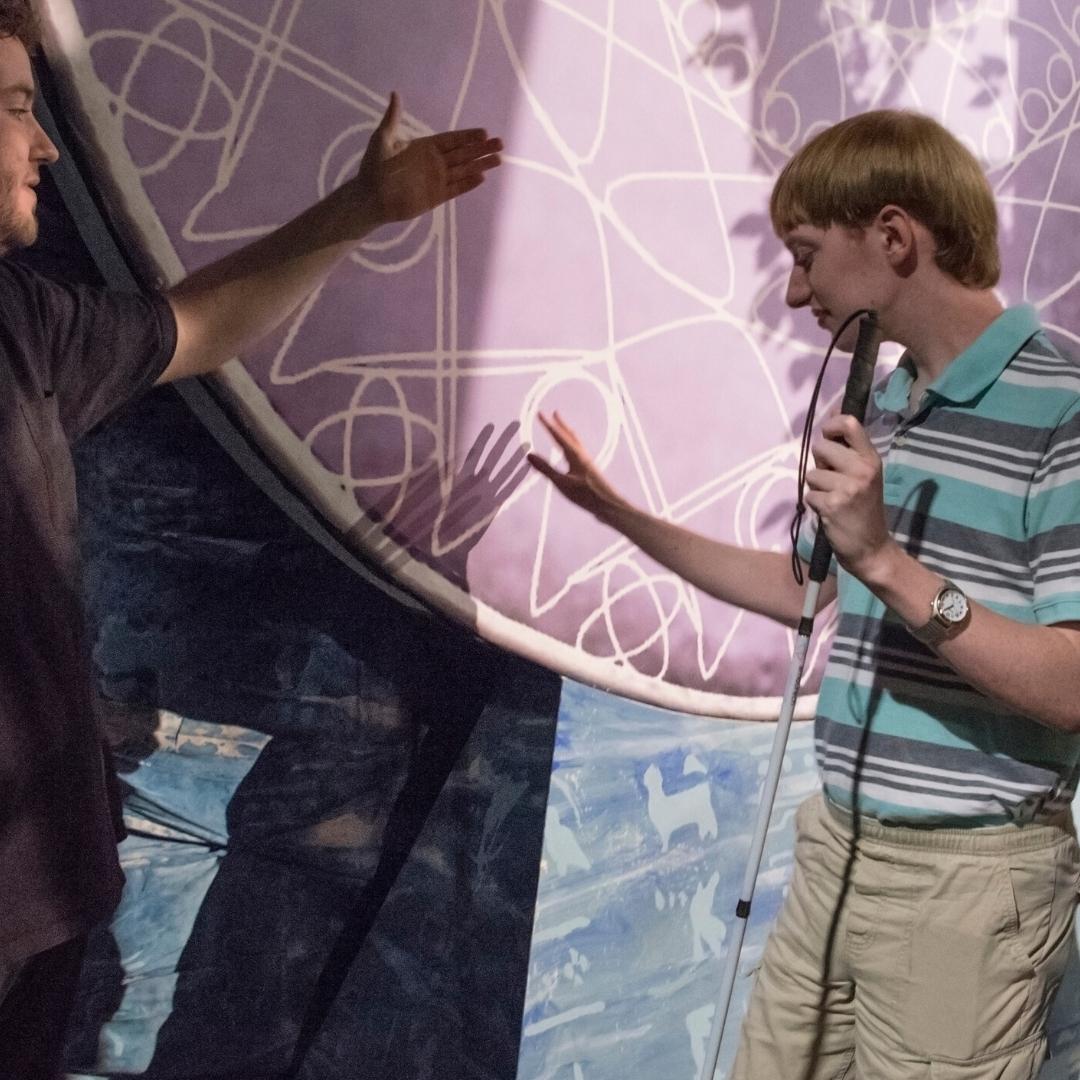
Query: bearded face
[24,148]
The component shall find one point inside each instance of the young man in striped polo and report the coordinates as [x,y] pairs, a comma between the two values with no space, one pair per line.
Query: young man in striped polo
[930,914]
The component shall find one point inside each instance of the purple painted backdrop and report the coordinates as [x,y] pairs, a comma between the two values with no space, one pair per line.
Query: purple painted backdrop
[619,267]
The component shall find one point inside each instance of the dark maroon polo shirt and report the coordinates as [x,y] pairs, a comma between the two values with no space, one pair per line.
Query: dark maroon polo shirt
[69,355]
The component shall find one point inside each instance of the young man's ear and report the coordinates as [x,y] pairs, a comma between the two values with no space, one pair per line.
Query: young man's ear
[897,234]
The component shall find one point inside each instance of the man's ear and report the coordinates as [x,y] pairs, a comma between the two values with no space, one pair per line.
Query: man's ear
[896,232]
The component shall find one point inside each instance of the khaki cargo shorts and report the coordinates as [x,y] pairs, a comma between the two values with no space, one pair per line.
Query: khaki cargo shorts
[904,953]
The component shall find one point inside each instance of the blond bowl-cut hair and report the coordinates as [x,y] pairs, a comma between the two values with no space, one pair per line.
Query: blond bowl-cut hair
[846,174]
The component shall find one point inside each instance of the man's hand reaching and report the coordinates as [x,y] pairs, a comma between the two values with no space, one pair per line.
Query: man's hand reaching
[225,308]
[400,179]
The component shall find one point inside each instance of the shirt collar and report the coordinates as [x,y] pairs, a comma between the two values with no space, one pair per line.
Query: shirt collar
[970,373]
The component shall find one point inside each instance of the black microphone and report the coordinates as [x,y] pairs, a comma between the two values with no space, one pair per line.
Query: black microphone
[856,396]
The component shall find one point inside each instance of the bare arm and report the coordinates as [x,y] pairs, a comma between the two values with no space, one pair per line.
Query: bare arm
[759,581]
[228,306]
[1032,669]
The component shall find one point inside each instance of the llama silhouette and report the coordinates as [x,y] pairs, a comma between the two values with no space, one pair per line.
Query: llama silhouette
[674,811]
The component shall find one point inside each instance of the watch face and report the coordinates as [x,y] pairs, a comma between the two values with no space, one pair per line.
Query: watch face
[952,605]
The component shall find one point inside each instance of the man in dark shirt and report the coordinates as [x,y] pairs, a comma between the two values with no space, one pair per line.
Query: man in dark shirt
[68,357]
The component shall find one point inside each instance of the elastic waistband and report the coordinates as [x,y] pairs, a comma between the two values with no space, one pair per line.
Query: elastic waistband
[981,840]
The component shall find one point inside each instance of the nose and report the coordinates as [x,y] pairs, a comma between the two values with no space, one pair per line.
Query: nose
[798,288]
[43,149]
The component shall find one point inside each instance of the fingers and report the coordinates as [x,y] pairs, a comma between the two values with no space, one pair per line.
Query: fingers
[514,462]
[472,458]
[847,429]
[828,494]
[832,455]
[552,427]
[825,480]
[466,156]
[844,443]
[581,482]
[542,467]
[483,154]
[448,141]
[503,441]
[568,433]
[507,488]
[473,169]
[392,115]
[548,423]
[465,166]
[564,436]
[500,446]
[472,468]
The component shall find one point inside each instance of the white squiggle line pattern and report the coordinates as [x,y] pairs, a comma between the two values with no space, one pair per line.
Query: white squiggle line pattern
[734,83]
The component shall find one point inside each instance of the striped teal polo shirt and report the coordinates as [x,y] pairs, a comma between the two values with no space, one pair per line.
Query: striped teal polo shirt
[982,485]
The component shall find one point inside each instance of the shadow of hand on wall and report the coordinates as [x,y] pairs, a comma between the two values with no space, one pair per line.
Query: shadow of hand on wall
[439,519]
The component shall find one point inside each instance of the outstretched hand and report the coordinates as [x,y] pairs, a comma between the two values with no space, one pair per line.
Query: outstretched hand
[582,483]
[404,178]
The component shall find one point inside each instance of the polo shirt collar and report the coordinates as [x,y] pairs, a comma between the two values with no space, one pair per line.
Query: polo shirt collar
[976,368]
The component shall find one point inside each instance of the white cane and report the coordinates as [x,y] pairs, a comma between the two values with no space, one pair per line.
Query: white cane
[856,395]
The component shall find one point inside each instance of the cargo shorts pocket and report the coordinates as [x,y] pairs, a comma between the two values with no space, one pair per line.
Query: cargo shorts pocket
[969,976]
[1017,1063]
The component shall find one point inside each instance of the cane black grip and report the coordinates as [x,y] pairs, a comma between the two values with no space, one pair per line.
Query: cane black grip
[856,396]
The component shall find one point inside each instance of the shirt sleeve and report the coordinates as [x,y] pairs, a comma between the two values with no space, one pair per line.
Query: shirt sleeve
[1053,518]
[94,348]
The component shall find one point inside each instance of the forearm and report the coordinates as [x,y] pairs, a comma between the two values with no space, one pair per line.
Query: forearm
[759,581]
[229,305]
[1032,669]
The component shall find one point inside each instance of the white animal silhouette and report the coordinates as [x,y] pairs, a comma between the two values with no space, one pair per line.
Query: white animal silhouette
[708,930]
[561,845]
[692,806]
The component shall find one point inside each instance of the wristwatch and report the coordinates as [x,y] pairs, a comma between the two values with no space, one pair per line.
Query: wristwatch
[949,614]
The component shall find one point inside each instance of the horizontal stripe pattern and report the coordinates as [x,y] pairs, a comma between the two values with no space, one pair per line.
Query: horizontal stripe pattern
[939,784]
[982,485]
